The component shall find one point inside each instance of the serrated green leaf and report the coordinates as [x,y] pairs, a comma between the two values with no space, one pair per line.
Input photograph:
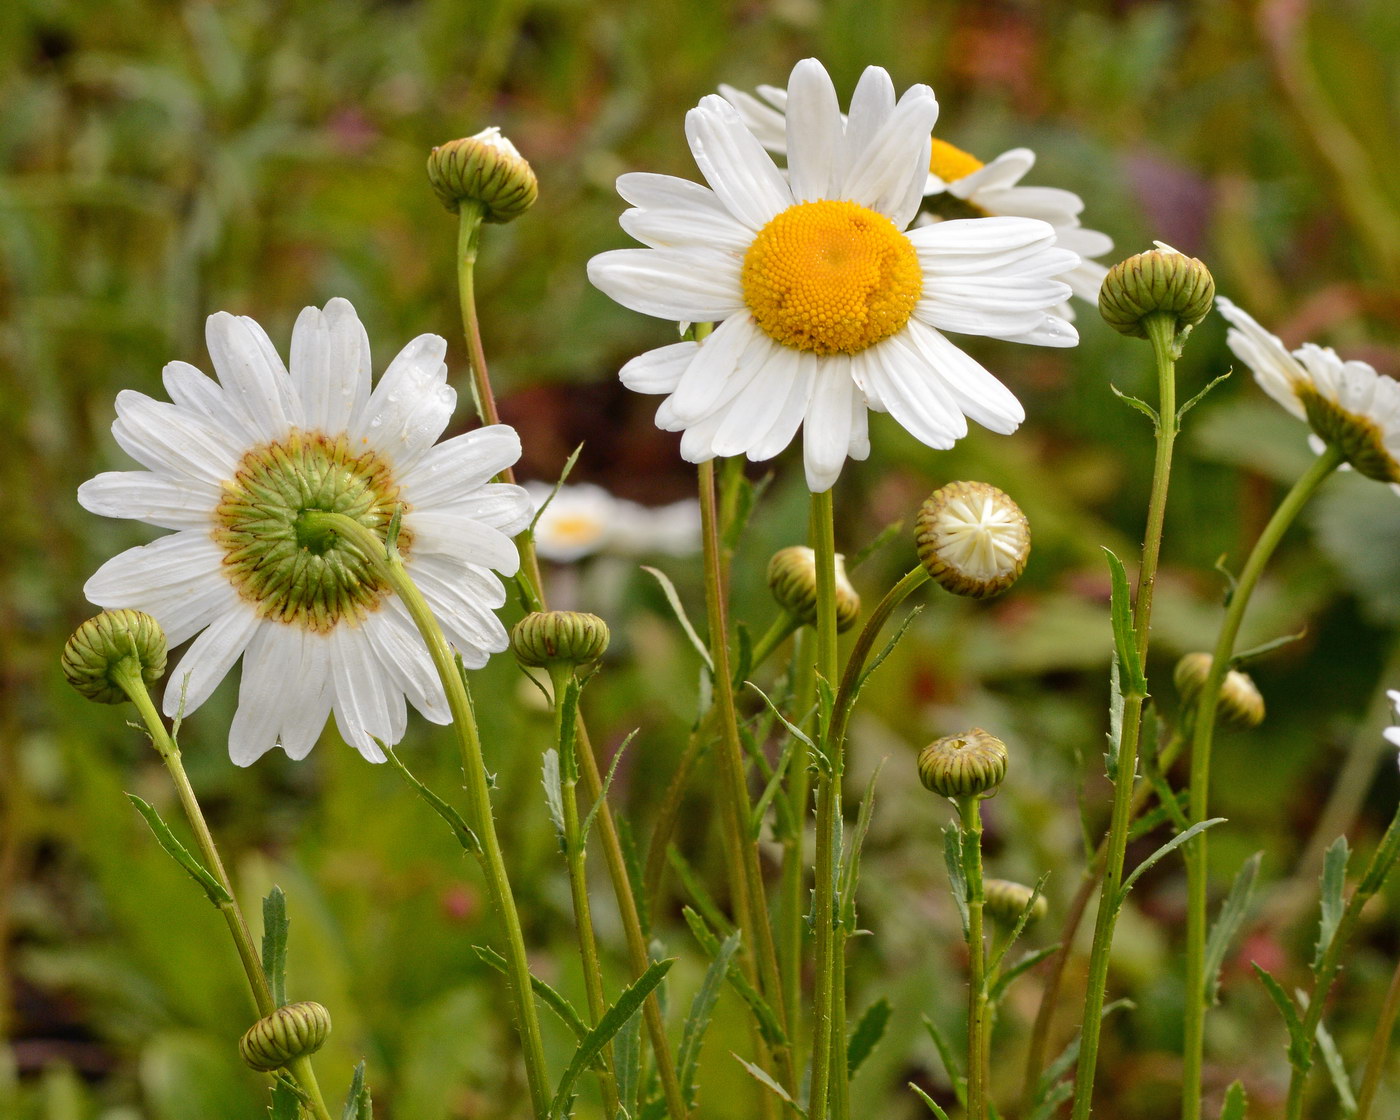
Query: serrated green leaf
[698,1021]
[957,878]
[1019,969]
[596,807]
[460,829]
[698,892]
[274,944]
[763,1015]
[885,651]
[950,1063]
[1019,926]
[1331,904]
[1235,1102]
[1199,397]
[1162,852]
[759,1074]
[286,1103]
[1115,717]
[1124,640]
[1055,1096]
[212,888]
[678,609]
[613,1020]
[890,532]
[930,1102]
[358,1105]
[553,792]
[1227,925]
[868,1031]
[1255,652]
[1050,1091]
[1141,405]
[848,877]
[627,1067]
[1337,1071]
[1299,1050]
[548,996]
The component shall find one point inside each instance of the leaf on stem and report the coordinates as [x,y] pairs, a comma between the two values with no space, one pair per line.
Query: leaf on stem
[698,1021]
[553,793]
[763,1015]
[1199,397]
[930,1102]
[180,854]
[678,609]
[627,1067]
[1050,1090]
[848,877]
[286,1101]
[1254,652]
[1337,1071]
[957,878]
[1235,1102]
[950,1063]
[878,659]
[1019,969]
[1142,406]
[866,1035]
[883,537]
[597,806]
[460,829]
[759,1074]
[1162,852]
[1334,874]
[550,997]
[554,493]
[358,1105]
[1299,1049]
[274,944]
[1124,640]
[613,1020]
[1227,925]
[1021,921]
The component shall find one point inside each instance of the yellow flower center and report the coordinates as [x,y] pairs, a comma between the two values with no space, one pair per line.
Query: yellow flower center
[950,163]
[575,528]
[831,277]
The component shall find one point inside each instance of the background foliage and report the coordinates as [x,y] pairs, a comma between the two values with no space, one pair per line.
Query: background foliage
[161,161]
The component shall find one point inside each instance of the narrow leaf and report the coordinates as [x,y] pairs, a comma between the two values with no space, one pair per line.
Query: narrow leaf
[180,854]
[548,996]
[1299,1051]
[597,806]
[673,598]
[759,1074]
[460,829]
[274,944]
[358,1105]
[1227,925]
[1253,652]
[286,1101]
[1194,401]
[1334,874]
[957,879]
[886,650]
[553,792]
[1115,717]
[928,1100]
[1020,926]
[1235,1101]
[1124,641]
[950,1063]
[1164,851]
[613,1020]
[885,535]
[554,493]
[1336,1070]
[763,1015]
[1055,1096]
[849,877]
[792,728]
[699,895]
[868,1032]
[1019,969]
[701,1008]
[627,1066]
[1142,406]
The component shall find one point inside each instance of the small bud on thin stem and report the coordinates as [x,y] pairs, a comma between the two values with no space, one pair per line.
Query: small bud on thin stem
[1160,281]
[121,639]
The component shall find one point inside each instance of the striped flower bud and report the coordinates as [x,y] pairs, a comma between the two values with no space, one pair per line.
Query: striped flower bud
[792,577]
[112,639]
[547,638]
[1007,901]
[1241,704]
[972,764]
[295,1031]
[484,168]
[973,539]
[1160,281]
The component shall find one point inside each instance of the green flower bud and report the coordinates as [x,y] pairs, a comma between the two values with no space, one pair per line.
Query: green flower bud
[111,639]
[295,1031]
[792,577]
[559,638]
[1006,902]
[484,168]
[973,539]
[972,764]
[1158,281]
[1241,704]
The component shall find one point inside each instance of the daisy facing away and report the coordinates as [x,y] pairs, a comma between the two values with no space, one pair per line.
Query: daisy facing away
[230,466]
[827,304]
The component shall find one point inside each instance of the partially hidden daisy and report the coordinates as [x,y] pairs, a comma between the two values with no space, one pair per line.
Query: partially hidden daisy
[959,185]
[232,464]
[828,305]
[1392,733]
[583,519]
[1347,404]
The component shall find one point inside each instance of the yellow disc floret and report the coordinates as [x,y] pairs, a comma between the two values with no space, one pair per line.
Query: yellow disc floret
[951,163]
[831,277]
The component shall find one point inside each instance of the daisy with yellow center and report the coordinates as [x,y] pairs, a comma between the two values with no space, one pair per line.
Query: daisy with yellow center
[584,519]
[828,305]
[233,466]
[1347,404]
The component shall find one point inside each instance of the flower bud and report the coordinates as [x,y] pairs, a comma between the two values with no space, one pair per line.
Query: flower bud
[295,1031]
[972,764]
[792,577]
[1160,281]
[1006,902]
[547,638]
[1240,704]
[103,643]
[484,168]
[973,539]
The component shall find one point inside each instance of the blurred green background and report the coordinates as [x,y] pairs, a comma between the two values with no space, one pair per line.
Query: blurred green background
[162,161]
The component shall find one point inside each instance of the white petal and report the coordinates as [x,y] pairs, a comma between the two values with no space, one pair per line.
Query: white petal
[1049,204]
[768,125]
[1276,370]
[723,364]
[270,663]
[794,407]
[660,370]
[814,132]
[692,228]
[435,531]
[330,366]
[192,390]
[501,505]
[734,163]
[1000,174]
[255,382]
[401,651]
[152,498]
[459,601]
[455,466]
[826,435]
[210,657]
[410,406]
[872,105]
[697,444]
[312,694]
[889,172]
[172,441]
[979,395]
[759,406]
[178,579]
[368,705]
[999,307]
[692,285]
[859,445]
[667,192]
[910,391]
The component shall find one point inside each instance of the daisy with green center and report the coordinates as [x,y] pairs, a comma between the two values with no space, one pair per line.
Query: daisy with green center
[828,305]
[1347,404]
[959,185]
[233,465]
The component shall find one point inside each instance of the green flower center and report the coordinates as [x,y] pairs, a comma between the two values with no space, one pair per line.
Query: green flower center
[1357,437]
[289,573]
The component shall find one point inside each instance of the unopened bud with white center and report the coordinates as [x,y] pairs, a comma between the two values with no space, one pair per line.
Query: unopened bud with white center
[973,539]
[792,577]
[1240,705]
[484,168]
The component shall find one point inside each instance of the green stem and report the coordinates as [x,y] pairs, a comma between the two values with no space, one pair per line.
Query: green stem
[562,678]
[1195,851]
[390,567]
[794,881]
[970,824]
[1161,329]
[824,996]
[1379,1049]
[128,677]
[751,909]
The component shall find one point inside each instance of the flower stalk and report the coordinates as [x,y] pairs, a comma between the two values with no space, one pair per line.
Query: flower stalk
[970,825]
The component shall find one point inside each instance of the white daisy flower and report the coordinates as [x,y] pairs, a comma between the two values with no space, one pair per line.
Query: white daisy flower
[230,467]
[584,519]
[1346,403]
[959,185]
[828,304]
[1392,733]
